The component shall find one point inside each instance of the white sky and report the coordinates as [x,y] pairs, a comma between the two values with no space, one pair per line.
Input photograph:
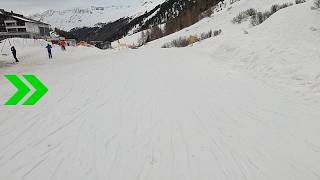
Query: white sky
[36,6]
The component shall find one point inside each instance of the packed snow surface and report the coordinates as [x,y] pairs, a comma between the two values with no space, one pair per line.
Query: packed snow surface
[238,106]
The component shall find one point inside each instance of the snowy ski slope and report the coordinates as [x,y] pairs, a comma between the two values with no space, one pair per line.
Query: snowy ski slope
[224,109]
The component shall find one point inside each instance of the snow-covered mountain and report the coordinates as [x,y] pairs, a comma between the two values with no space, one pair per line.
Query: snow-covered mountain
[92,16]
[173,14]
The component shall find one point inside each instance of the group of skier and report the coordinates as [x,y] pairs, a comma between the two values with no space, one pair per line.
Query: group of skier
[48,47]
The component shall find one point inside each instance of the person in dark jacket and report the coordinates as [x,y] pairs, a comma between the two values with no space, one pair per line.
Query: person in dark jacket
[49,47]
[14,53]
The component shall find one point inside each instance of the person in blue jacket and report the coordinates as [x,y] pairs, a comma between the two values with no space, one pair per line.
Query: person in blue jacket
[49,47]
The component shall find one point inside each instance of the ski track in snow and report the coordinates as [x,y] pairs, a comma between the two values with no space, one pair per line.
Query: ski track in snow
[179,115]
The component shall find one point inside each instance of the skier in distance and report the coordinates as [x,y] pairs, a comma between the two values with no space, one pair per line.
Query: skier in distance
[14,53]
[49,47]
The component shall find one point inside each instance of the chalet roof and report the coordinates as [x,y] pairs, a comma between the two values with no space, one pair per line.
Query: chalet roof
[20,17]
[28,20]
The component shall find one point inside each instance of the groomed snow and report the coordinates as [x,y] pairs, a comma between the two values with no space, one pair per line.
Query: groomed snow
[226,108]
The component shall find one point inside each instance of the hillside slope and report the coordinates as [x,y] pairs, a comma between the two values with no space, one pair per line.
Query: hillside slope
[260,48]
[174,13]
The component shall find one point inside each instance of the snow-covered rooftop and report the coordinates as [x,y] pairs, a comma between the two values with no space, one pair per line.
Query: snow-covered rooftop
[20,17]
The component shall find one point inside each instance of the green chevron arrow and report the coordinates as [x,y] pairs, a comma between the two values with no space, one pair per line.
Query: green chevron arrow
[41,90]
[23,90]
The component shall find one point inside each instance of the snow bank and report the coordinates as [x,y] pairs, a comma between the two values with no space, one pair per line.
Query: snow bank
[284,50]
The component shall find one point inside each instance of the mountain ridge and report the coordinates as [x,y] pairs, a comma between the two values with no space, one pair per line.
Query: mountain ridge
[90,16]
[173,14]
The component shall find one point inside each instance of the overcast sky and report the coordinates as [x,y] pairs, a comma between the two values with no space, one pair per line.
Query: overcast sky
[35,6]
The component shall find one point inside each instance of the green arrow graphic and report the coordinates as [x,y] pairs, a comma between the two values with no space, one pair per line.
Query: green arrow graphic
[23,90]
[41,90]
